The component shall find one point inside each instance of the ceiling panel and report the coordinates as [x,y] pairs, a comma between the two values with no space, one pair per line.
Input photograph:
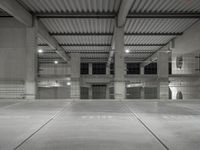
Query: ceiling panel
[84,39]
[87,48]
[42,6]
[93,55]
[75,25]
[148,39]
[142,48]
[161,6]
[156,25]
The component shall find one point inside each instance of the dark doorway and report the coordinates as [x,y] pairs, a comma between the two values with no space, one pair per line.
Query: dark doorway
[99,91]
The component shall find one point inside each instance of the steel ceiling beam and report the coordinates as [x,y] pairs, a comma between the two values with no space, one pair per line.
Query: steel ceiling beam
[110,34]
[163,15]
[84,44]
[81,34]
[113,15]
[145,45]
[105,45]
[153,34]
[76,15]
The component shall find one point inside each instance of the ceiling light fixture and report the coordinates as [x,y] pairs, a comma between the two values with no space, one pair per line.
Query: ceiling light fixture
[68,83]
[127,51]
[40,51]
[55,62]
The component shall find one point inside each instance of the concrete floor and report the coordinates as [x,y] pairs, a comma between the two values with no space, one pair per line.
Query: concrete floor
[99,125]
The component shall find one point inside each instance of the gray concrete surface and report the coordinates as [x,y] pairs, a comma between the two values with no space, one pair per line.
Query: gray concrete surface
[99,125]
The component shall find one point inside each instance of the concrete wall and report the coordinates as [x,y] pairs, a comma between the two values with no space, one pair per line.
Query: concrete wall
[188,47]
[190,63]
[12,50]
[54,69]
[12,58]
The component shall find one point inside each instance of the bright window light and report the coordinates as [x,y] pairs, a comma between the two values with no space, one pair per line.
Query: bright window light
[68,83]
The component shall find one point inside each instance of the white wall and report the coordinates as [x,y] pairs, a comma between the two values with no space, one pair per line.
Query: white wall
[12,58]
[12,49]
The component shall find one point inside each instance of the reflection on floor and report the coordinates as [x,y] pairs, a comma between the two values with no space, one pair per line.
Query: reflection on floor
[99,125]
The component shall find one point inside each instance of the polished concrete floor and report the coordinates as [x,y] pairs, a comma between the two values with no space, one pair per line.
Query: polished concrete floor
[99,125]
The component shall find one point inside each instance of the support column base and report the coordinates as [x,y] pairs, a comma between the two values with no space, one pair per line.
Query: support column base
[30,90]
[163,90]
[119,90]
[75,90]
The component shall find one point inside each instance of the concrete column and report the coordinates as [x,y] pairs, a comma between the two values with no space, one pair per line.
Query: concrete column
[163,81]
[90,92]
[141,69]
[90,68]
[119,83]
[107,92]
[142,93]
[108,70]
[31,63]
[75,76]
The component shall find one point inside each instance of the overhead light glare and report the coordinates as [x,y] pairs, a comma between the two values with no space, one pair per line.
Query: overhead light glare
[127,51]
[40,51]
[68,83]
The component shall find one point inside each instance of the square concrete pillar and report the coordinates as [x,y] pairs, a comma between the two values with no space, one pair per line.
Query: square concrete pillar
[90,68]
[141,69]
[31,63]
[75,76]
[119,83]
[75,89]
[142,94]
[107,92]
[163,73]
[90,92]
[163,89]
[107,70]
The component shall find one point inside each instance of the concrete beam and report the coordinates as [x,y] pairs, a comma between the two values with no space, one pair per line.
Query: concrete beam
[121,20]
[13,8]
[150,59]
[52,42]
[123,12]
[154,56]
[17,11]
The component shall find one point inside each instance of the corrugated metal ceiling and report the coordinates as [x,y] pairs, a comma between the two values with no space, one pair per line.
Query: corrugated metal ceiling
[75,25]
[142,48]
[41,41]
[158,25]
[87,48]
[39,6]
[84,39]
[162,6]
[93,55]
[148,39]
[98,25]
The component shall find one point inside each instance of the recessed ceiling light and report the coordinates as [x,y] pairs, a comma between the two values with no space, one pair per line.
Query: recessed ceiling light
[40,51]
[127,51]
[55,62]
[68,83]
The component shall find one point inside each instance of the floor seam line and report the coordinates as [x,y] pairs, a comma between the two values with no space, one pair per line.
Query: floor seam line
[146,127]
[53,117]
